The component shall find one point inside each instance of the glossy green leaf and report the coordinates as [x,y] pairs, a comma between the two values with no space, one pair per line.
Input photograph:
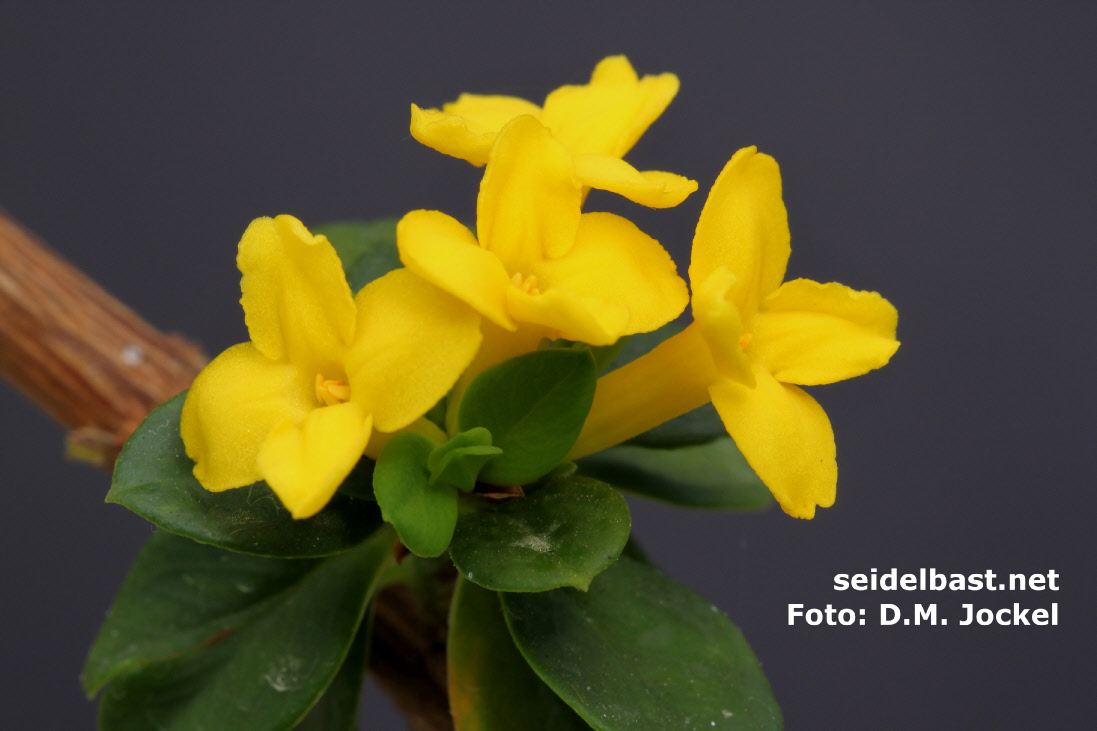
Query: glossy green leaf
[491,687]
[266,674]
[337,709]
[639,650]
[366,248]
[534,406]
[562,533]
[713,475]
[179,595]
[153,477]
[458,462]
[423,514]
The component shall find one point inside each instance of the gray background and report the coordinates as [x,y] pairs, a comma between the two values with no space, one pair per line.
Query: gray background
[940,154]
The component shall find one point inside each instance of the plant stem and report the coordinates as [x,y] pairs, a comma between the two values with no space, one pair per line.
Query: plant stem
[92,363]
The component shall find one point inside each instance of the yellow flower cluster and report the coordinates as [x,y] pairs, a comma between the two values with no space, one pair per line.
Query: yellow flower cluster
[328,376]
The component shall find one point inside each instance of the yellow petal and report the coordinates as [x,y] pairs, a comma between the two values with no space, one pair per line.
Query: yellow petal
[810,333]
[305,464]
[718,321]
[744,227]
[529,201]
[413,341]
[615,262]
[786,438]
[651,188]
[446,254]
[487,114]
[608,115]
[297,304]
[232,406]
[570,315]
[467,127]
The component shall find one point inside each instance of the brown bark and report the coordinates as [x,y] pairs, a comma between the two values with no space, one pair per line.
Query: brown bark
[80,354]
[97,368]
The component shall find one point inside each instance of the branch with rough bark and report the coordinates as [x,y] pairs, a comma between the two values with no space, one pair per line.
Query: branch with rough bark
[97,368]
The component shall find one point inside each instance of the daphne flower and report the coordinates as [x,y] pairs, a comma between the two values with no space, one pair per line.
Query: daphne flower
[296,405]
[598,123]
[590,277]
[753,341]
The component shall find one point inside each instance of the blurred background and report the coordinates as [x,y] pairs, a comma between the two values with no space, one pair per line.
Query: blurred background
[941,154]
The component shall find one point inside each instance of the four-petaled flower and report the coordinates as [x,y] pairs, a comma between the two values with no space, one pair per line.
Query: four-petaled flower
[539,260]
[296,405]
[752,342]
[598,123]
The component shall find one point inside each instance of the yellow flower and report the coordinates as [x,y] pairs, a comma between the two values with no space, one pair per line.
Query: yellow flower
[598,123]
[295,406]
[589,277]
[752,339]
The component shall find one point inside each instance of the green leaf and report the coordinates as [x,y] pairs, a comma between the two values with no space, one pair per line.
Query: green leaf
[266,674]
[180,595]
[640,650]
[337,709]
[458,462]
[423,514]
[713,475]
[534,406]
[491,687]
[366,248]
[562,533]
[153,477]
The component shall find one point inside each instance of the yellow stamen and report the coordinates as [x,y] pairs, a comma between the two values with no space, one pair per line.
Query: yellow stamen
[527,285]
[331,392]
[744,340]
